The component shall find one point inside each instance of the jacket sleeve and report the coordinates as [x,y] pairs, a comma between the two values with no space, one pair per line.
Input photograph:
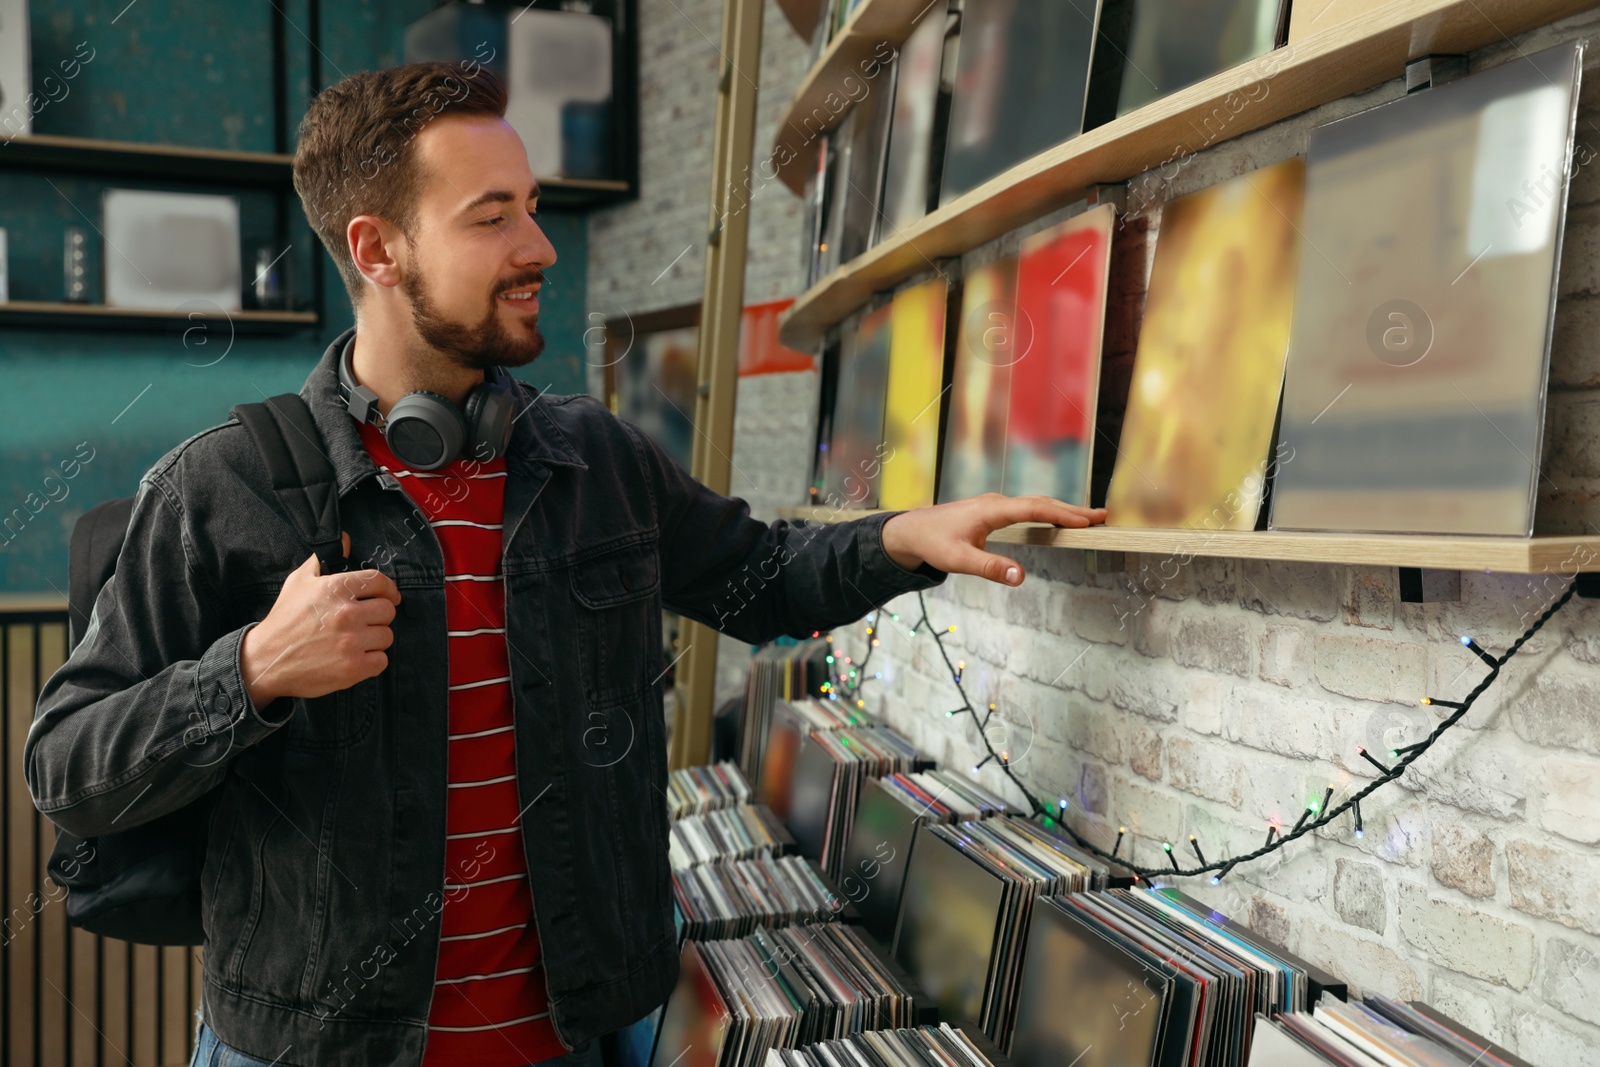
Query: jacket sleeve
[756,581]
[150,707]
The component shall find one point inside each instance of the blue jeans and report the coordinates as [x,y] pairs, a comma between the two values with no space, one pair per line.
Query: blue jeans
[211,1052]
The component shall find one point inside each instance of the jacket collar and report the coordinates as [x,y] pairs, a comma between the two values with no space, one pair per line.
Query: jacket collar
[535,437]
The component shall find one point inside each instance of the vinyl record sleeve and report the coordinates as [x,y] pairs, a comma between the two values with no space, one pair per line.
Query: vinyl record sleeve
[1062,283]
[909,170]
[1021,84]
[1176,43]
[915,395]
[1414,400]
[1196,446]
[980,388]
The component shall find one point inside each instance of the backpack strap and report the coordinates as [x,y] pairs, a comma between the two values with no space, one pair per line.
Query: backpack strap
[302,475]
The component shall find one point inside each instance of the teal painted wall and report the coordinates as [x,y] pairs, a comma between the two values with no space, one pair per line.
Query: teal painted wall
[190,72]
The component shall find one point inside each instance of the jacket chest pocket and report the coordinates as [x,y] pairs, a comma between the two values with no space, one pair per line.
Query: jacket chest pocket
[614,595]
[332,720]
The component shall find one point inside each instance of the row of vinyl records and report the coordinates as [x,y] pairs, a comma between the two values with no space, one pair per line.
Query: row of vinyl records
[982,85]
[1357,340]
[1001,927]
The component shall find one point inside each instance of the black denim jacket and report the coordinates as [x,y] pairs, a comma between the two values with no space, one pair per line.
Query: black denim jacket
[325,868]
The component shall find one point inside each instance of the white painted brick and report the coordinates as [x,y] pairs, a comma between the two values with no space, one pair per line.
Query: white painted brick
[1571,977]
[1370,669]
[1366,964]
[1569,798]
[1215,642]
[1474,1004]
[1466,940]
[1555,883]
[1205,696]
[1460,856]
[1546,1038]
[1097,615]
[1358,895]
[1205,769]
[1286,656]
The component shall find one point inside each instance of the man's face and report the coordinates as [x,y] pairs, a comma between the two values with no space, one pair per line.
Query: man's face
[476,243]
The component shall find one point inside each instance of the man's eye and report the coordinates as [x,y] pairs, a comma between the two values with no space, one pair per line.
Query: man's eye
[494,221]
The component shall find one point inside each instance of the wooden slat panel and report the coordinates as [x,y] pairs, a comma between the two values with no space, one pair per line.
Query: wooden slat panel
[116,1028]
[56,1003]
[21,932]
[175,1009]
[85,992]
[55,994]
[65,995]
[146,1006]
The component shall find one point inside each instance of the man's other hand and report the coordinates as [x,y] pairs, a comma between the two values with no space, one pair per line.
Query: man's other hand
[951,536]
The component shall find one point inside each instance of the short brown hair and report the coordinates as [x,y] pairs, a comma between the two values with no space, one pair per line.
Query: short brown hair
[355,153]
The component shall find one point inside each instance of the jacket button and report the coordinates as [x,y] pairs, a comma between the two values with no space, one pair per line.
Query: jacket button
[627,581]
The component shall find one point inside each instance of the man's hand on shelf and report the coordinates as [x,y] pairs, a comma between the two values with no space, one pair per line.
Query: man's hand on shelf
[951,536]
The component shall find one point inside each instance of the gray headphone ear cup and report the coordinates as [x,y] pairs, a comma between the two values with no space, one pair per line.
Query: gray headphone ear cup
[425,430]
[490,409]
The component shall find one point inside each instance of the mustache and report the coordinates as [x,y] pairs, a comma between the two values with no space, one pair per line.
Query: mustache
[534,278]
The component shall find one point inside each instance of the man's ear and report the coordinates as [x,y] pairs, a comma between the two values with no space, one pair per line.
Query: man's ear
[378,249]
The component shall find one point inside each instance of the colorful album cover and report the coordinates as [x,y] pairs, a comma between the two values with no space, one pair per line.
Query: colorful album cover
[915,394]
[1196,448]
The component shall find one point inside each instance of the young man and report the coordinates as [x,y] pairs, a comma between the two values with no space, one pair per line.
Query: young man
[439,833]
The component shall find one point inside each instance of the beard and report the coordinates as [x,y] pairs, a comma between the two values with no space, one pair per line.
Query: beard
[475,345]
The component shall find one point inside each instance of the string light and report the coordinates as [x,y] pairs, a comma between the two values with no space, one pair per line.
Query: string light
[1383,770]
[1304,815]
[1317,813]
[1194,843]
[1478,650]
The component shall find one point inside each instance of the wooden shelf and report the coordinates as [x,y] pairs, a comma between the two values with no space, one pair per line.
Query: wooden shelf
[1511,555]
[1346,58]
[873,23]
[38,313]
[266,170]
[126,159]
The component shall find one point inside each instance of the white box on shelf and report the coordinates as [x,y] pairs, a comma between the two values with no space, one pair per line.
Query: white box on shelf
[171,251]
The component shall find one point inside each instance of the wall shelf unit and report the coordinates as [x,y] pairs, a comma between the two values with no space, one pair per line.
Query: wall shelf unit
[1511,555]
[45,314]
[1344,59]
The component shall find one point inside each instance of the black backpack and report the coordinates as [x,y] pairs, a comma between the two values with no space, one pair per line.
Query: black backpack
[143,884]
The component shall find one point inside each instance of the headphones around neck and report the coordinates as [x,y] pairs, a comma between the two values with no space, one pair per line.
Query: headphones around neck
[426,431]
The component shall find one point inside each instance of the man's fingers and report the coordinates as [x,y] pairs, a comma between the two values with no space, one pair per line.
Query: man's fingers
[357,585]
[1045,509]
[988,565]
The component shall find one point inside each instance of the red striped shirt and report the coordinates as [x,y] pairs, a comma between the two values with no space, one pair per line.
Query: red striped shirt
[490,1005]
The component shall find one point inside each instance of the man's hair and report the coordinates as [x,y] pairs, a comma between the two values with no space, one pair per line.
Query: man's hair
[357,156]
